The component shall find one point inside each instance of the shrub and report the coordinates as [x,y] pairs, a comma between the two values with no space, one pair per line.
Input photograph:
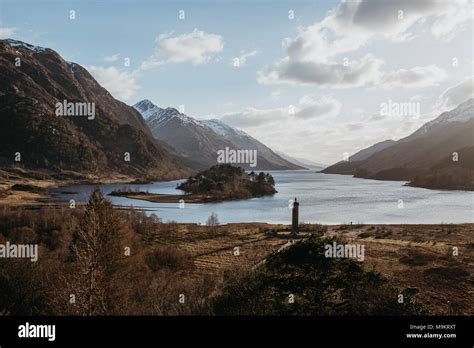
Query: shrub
[320,285]
[417,259]
[22,288]
[382,233]
[169,257]
[364,235]
[447,274]
[313,228]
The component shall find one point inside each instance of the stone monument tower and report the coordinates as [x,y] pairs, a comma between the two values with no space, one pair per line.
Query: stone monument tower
[295,217]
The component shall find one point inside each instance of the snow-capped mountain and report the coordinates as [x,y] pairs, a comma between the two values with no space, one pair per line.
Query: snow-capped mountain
[64,145]
[199,140]
[463,113]
[16,43]
[243,140]
[146,108]
[223,129]
[160,116]
[439,154]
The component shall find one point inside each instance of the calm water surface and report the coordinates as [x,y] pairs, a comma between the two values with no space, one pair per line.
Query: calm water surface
[324,198]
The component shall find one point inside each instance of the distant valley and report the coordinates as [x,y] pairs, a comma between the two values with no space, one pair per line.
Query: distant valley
[199,140]
[302,162]
[146,142]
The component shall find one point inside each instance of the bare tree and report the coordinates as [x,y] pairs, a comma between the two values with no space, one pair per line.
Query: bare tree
[213,222]
[97,255]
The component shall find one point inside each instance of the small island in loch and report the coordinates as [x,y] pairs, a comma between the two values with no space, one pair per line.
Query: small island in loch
[219,183]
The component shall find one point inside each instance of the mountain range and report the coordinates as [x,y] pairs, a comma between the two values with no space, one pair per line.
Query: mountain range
[302,162]
[440,154]
[199,140]
[147,142]
[116,140]
[35,137]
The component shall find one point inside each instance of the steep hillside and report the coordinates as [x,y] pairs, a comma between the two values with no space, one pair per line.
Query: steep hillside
[267,158]
[366,153]
[199,140]
[34,80]
[450,174]
[424,154]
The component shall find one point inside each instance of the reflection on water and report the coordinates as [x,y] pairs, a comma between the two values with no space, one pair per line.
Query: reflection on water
[324,198]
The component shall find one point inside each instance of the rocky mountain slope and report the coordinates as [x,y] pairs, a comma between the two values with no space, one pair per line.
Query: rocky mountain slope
[199,140]
[34,80]
[437,155]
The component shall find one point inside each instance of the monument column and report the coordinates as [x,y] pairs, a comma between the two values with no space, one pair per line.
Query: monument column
[295,217]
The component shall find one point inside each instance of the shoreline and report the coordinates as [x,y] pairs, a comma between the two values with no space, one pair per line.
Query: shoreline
[177,198]
[39,188]
[31,191]
[165,198]
[407,183]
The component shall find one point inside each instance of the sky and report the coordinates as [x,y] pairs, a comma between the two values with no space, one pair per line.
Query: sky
[312,79]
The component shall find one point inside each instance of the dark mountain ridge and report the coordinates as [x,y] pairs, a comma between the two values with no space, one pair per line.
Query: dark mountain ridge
[34,79]
[437,155]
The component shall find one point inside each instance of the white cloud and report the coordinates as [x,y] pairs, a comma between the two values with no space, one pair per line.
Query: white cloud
[112,58]
[254,117]
[6,33]
[355,126]
[195,47]
[314,55]
[375,118]
[242,58]
[275,95]
[368,71]
[458,94]
[307,108]
[121,84]
[326,106]
[322,138]
[419,76]
[355,73]
[454,19]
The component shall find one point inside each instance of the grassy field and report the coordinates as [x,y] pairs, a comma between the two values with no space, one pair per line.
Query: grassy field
[415,258]
[214,248]
[434,264]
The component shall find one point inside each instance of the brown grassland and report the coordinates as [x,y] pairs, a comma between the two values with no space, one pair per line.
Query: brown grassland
[414,257]
[169,259]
